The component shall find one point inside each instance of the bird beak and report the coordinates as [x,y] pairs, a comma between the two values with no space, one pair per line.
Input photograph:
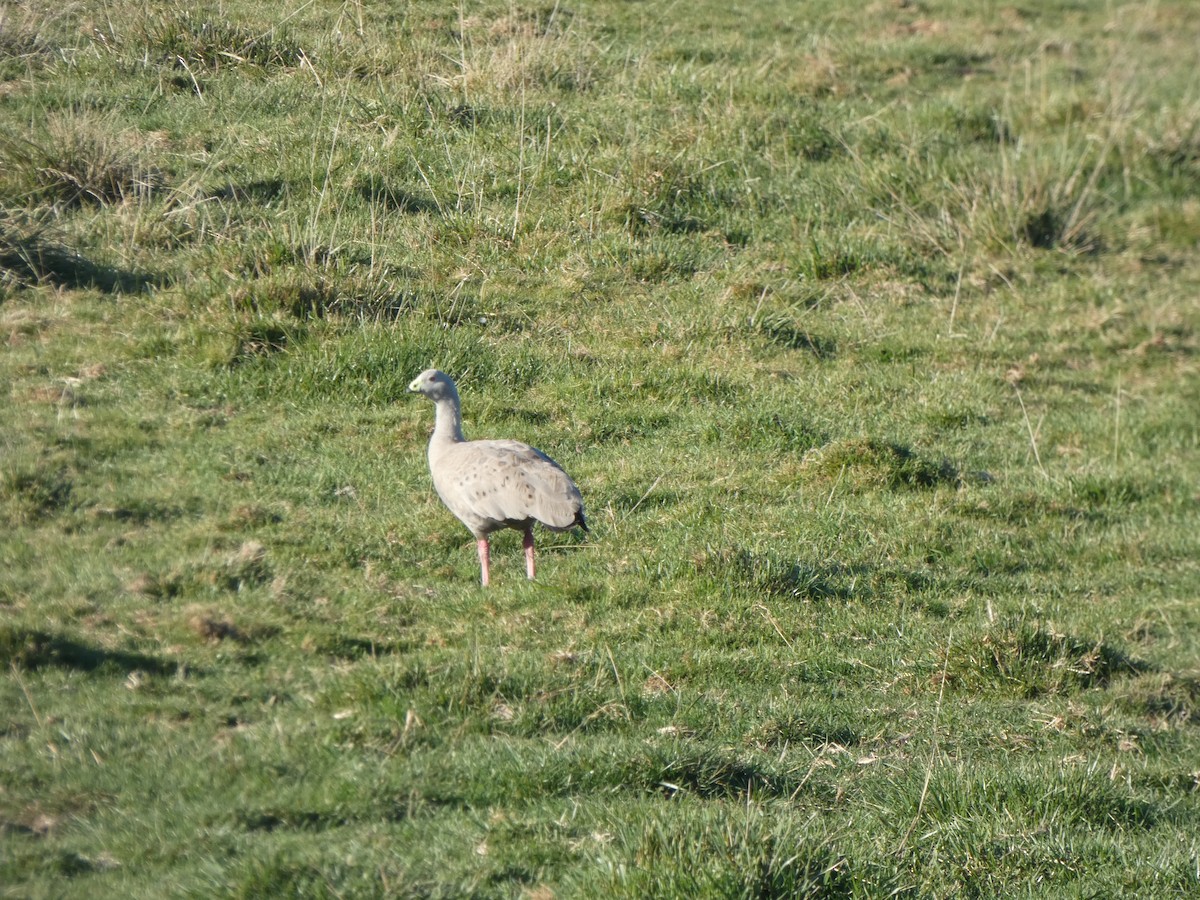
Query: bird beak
[412,386]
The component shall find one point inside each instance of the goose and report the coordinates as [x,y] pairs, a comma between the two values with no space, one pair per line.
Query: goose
[491,485]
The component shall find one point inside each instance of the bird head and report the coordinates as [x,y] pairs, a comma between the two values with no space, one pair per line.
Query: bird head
[434,384]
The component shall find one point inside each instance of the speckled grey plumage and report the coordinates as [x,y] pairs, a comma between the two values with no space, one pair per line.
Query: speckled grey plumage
[490,485]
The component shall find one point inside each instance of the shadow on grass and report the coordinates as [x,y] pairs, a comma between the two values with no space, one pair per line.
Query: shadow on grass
[263,191]
[296,819]
[391,197]
[787,334]
[709,774]
[346,648]
[282,817]
[1167,697]
[28,256]
[32,649]
[775,575]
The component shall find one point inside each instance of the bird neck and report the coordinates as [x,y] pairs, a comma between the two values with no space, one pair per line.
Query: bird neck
[447,427]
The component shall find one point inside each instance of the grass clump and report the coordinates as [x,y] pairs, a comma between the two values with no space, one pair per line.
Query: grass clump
[870,462]
[77,159]
[28,40]
[194,40]
[317,291]
[1035,659]
[736,860]
[35,492]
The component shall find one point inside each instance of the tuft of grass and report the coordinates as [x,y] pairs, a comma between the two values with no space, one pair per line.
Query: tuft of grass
[75,160]
[247,568]
[317,291]
[521,48]
[1035,659]
[35,492]
[27,40]
[736,860]
[871,462]
[196,40]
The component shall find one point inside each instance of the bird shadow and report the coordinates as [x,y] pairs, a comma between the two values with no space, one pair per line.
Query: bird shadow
[34,649]
[779,576]
[391,197]
[32,259]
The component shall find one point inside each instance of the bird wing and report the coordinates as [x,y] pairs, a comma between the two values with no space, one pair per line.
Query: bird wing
[493,484]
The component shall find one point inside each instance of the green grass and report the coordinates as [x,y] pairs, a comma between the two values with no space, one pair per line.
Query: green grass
[869,333]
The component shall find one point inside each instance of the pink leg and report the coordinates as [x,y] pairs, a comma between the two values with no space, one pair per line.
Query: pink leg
[482,546]
[529,554]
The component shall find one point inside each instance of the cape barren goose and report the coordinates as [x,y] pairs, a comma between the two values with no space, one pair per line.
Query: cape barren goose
[490,485]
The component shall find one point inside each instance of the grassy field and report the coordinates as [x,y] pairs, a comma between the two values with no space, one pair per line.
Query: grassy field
[870,331]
